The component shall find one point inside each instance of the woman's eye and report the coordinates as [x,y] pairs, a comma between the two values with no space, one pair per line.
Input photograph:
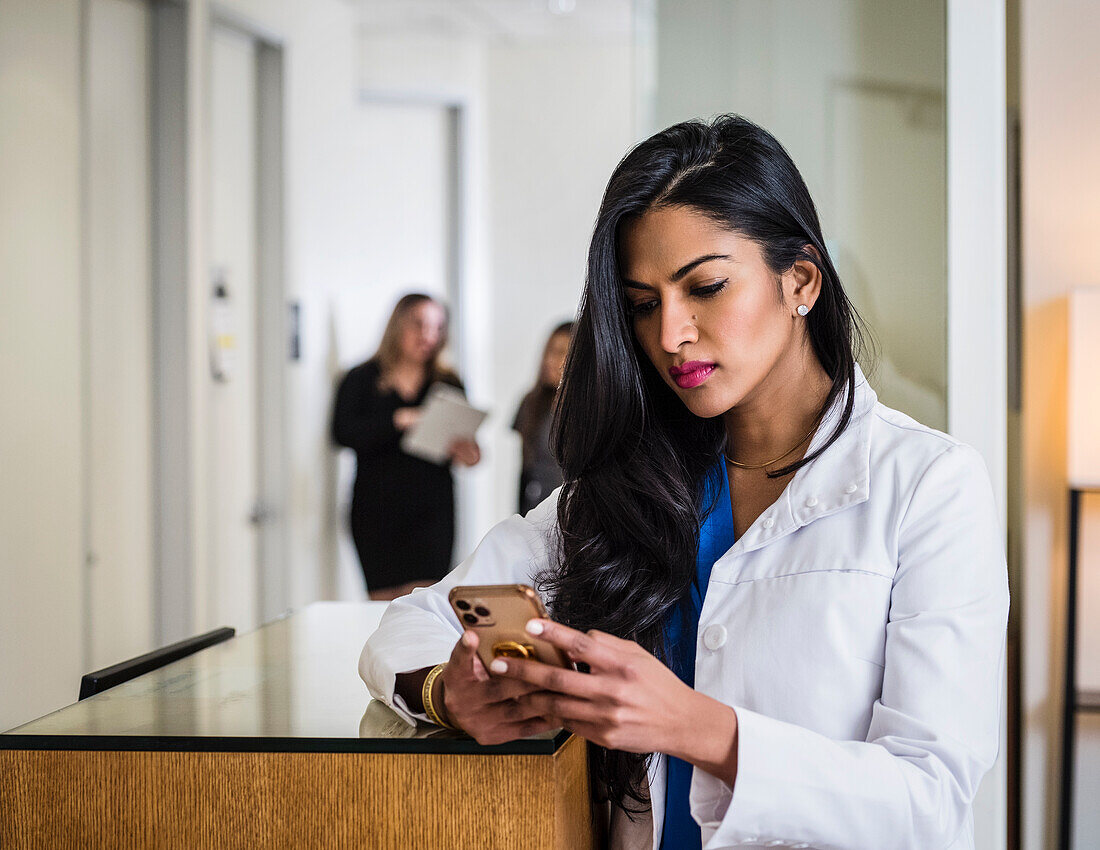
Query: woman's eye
[642,308]
[711,288]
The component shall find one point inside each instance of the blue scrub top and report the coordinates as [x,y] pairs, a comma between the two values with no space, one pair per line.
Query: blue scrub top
[716,536]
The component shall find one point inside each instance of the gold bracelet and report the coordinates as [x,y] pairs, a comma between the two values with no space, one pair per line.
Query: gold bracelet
[426,698]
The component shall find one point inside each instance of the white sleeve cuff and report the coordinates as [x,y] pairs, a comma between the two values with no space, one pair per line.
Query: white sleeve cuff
[752,809]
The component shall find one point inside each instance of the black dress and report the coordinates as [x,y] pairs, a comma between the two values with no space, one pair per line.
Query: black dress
[402,507]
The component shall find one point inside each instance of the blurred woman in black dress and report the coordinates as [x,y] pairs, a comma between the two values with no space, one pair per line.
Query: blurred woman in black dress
[540,474]
[402,507]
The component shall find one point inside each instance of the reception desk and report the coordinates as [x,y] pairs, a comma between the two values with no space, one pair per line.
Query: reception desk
[271,740]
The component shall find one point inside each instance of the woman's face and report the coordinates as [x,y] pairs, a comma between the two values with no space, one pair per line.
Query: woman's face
[422,331]
[553,359]
[707,310]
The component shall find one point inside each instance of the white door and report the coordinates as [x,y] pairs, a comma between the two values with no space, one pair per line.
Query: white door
[232,536]
[118,417]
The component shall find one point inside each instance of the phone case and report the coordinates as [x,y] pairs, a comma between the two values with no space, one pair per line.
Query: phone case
[499,614]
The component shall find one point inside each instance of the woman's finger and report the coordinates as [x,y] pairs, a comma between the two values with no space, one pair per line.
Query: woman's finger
[511,711]
[465,452]
[594,648]
[465,663]
[499,689]
[565,708]
[547,677]
[593,732]
[477,717]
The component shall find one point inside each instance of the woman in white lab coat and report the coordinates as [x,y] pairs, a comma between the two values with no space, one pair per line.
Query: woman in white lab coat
[789,600]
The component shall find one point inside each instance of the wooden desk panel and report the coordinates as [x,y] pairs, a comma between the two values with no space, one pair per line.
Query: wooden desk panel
[271,740]
[51,798]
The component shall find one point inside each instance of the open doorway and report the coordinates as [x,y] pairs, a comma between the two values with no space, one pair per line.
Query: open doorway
[408,192]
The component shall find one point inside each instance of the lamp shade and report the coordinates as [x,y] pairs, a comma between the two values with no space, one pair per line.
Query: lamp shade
[1084,387]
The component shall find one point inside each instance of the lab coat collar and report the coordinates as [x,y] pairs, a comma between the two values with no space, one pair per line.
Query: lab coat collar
[836,480]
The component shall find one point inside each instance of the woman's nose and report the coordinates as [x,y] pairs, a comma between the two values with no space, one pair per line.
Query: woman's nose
[677,326]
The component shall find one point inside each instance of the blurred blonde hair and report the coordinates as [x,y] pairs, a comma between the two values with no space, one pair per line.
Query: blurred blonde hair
[389,349]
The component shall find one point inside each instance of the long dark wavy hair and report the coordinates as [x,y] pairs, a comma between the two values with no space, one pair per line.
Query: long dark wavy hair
[635,459]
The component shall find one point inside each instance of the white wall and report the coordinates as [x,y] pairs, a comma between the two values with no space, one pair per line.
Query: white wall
[561,117]
[118,351]
[41,509]
[1060,103]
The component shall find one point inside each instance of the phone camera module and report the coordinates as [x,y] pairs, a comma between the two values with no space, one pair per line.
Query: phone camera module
[470,618]
[482,611]
[462,604]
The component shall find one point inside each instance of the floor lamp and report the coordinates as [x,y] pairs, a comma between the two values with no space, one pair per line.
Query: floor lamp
[1083,469]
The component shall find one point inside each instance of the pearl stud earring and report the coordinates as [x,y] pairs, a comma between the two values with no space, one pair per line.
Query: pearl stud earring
[802,310]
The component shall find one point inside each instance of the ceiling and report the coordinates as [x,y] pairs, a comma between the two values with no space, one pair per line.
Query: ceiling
[510,21]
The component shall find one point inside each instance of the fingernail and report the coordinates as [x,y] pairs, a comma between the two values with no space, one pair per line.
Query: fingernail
[534,627]
[466,639]
[499,665]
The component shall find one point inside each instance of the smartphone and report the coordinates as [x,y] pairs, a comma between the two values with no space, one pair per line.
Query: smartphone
[499,614]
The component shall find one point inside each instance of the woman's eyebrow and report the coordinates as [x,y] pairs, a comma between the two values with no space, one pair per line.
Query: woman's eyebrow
[680,272]
[698,261]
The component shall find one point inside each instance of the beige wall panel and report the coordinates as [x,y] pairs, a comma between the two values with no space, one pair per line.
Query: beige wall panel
[119,356]
[41,565]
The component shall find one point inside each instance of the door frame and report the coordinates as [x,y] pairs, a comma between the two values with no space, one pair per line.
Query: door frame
[977,290]
[180,135]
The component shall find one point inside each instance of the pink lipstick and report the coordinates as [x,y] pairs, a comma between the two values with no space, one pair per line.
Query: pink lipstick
[691,374]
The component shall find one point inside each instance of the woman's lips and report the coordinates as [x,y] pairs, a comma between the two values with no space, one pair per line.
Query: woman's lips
[691,374]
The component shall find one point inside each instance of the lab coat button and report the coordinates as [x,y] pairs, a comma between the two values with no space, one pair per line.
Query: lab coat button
[714,637]
[811,502]
[768,522]
[850,489]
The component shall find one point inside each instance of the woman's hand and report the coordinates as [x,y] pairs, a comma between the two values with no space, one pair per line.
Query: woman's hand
[405,417]
[629,701]
[465,452]
[488,708]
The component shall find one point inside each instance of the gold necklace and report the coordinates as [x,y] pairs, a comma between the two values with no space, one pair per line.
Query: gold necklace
[791,450]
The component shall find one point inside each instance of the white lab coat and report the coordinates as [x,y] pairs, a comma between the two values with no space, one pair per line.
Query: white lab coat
[857,628]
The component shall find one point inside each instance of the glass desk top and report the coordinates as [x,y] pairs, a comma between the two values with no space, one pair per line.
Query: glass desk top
[290,686]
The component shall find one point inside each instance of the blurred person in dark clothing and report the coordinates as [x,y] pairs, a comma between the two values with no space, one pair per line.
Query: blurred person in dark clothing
[402,507]
[540,474]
